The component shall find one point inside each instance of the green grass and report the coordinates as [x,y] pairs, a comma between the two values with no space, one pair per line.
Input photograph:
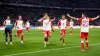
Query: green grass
[34,43]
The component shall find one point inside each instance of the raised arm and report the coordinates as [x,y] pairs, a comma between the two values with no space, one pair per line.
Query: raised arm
[40,19]
[72,17]
[53,19]
[95,17]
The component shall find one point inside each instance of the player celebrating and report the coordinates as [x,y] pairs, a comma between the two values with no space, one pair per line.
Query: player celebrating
[71,26]
[27,25]
[7,21]
[84,28]
[19,26]
[62,25]
[8,30]
[46,27]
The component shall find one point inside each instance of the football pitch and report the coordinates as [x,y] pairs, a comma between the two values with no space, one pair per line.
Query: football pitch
[34,44]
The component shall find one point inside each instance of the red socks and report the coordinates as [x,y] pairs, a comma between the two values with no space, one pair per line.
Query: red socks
[82,44]
[63,40]
[86,45]
[22,38]
[46,39]
[70,31]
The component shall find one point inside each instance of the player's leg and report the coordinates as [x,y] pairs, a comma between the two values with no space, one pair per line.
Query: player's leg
[63,38]
[70,30]
[52,28]
[49,34]
[22,36]
[6,35]
[45,38]
[28,30]
[82,41]
[18,33]
[10,34]
[61,32]
[86,38]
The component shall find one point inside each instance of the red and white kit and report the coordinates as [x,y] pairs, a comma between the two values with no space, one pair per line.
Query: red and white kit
[84,27]
[19,27]
[7,22]
[62,24]
[27,25]
[71,24]
[46,26]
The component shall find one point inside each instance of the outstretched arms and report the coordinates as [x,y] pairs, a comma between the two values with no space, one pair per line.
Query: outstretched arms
[95,17]
[40,19]
[53,19]
[72,17]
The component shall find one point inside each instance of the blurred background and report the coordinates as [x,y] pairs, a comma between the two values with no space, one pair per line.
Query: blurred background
[34,9]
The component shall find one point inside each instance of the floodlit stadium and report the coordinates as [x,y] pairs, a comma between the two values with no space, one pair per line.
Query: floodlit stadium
[49,28]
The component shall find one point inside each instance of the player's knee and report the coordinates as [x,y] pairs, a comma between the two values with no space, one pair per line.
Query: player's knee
[49,35]
[63,34]
[10,35]
[22,34]
[82,41]
[45,35]
[86,39]
[63,38]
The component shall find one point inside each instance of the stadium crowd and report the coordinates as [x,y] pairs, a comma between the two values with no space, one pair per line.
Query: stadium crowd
[34,9]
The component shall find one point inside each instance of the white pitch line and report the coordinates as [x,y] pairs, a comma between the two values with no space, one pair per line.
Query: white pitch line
[47,50]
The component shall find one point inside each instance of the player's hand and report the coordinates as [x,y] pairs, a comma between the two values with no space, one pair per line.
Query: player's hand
[17,27]
[68,15]
[98,16]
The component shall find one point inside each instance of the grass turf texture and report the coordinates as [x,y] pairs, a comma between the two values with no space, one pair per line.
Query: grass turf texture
[35,42]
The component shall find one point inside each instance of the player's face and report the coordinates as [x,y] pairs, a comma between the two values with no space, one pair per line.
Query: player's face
[83,16]
[46,16]
[63,17]
[20,17]
[8,17]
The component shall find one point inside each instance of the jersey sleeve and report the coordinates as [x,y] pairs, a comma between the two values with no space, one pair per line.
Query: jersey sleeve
[79,19]
[4,22]
[59,23]
[42,20]
[90,19]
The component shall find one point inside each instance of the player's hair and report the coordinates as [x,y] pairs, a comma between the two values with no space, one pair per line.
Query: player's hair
[19,15]
[45,13]
[64,15]
[84,14]
[8,18]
